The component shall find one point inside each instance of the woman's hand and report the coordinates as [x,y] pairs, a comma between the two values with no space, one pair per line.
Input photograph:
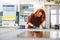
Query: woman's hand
[42,25]
[30,24]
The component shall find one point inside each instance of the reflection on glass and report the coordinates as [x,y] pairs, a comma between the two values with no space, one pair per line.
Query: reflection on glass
[25,10]
[9,7]
[37,20]
[53,11]
[59,19]
[34,34]
[39,34]
[53,34]
[22,19]
[59,34]
[53,19]
[59,11]
[0,20]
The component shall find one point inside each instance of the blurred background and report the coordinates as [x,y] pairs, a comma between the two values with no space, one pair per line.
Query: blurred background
[14,16]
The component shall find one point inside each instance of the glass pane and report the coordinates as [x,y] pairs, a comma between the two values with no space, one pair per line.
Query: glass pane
[22,19]
[59,19]
[53,19]
[0,19]
[34,34]
[53,11]
[58,34]
[8,8]
[59,11]
[9,13]
[1,13]
[53,34]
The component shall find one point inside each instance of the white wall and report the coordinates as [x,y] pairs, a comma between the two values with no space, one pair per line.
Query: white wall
[15,2]
[10,1]
[37,4]
[0,6]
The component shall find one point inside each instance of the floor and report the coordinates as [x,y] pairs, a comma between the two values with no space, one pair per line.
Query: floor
[11,34]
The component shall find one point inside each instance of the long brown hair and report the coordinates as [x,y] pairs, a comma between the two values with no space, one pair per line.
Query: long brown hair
[43,14]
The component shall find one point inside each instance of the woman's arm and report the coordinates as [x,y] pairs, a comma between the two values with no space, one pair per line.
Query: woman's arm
[42,25]
[30,24]
[30,20]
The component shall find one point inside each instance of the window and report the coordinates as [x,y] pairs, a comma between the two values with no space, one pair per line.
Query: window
[59,19]
[22,19]
[9,7]
[53,11]
[53,16]
[25,11]
[59,16]
[59,12]
[53,19]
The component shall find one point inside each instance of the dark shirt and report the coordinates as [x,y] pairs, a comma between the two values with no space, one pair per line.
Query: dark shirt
[36,21]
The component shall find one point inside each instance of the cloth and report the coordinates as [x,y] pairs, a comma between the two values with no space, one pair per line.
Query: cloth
[34,20]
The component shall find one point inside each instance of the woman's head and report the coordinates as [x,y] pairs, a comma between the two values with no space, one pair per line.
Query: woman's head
[40,12]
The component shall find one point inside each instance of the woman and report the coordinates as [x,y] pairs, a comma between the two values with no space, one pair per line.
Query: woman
[36,20]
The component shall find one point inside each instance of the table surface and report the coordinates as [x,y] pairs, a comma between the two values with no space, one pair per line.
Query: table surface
[11,34]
